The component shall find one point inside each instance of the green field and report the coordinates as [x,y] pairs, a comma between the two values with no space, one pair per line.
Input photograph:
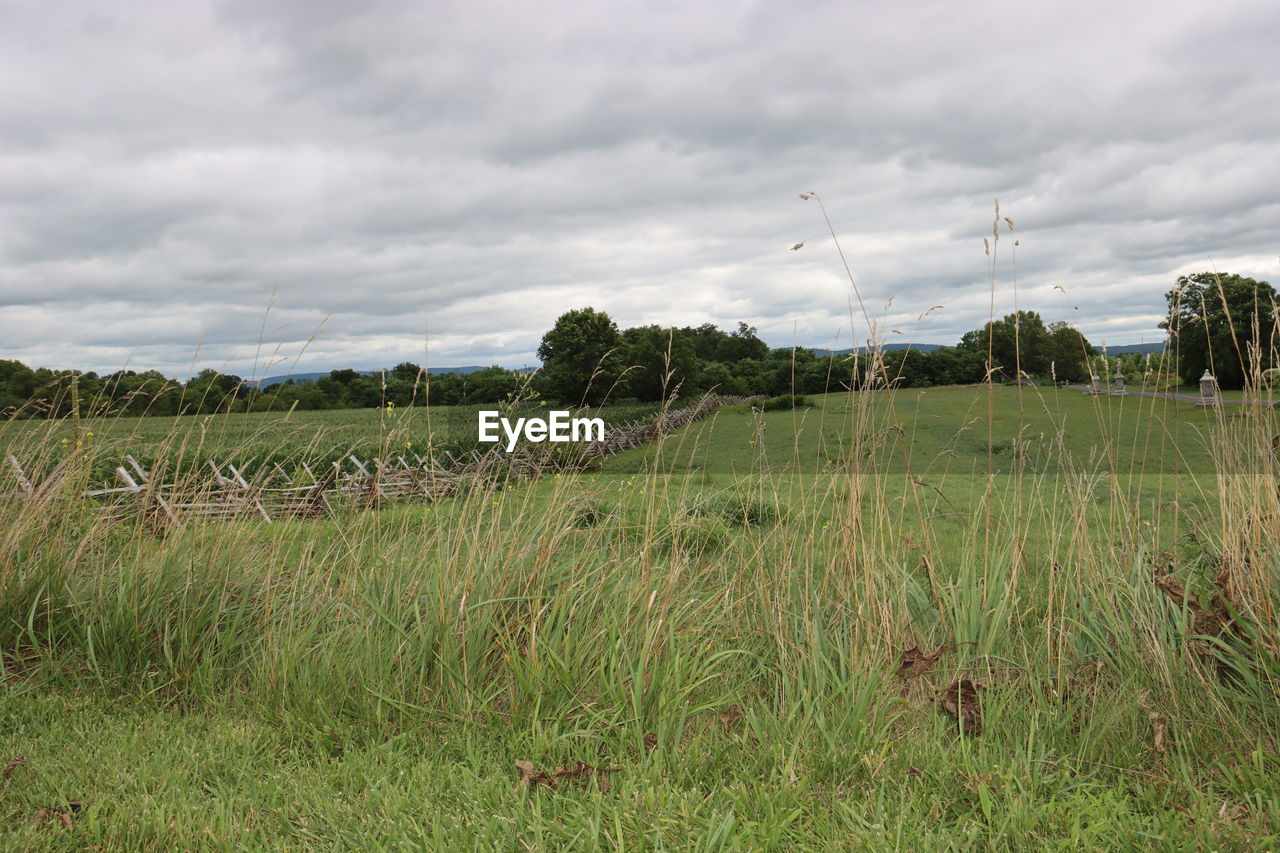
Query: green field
[943,431]
[705,636]
[260,439]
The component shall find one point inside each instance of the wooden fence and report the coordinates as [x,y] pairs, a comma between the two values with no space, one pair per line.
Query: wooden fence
[224,492]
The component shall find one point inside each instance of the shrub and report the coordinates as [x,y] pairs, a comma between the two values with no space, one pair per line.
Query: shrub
[785,402]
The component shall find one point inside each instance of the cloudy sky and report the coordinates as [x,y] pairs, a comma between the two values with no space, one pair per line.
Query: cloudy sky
[257,186]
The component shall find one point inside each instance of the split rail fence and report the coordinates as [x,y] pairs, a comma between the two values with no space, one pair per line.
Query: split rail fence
[223,492]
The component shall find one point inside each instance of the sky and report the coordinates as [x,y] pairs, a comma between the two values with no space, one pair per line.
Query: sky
[264,187]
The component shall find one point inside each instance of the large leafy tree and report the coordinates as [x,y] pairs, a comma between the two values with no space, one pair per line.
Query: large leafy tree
[491,385]
[955,366]
[742,344]
[1019,341]
[210,391]
[706,340]
[17,384]
[660,362]
[1221,323]
[580,360]
[1069,352]
[407,371]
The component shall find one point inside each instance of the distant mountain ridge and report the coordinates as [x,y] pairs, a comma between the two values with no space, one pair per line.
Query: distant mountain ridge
[312,377]
[1126,348]
[926,348]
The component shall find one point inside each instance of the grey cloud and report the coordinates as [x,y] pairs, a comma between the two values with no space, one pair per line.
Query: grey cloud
[476,169]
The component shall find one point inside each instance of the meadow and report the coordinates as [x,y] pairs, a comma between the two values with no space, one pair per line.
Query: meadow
[260,439]
[998,618]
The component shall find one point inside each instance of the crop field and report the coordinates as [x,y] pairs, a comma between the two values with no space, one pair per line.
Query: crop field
[993,618]
[265,438]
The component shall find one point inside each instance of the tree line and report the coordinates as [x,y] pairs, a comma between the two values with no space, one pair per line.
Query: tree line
[1225,323]
[41,392]
[586,360]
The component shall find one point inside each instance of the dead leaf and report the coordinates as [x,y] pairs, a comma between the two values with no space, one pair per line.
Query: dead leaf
[1204,619]
[650,741]
[1159,725]
[1234,812]
[583,772]
[14,763]
[961,701]
[730,716]
[914,662]
[580,771]
[916,772]
[527,775]
[63,815]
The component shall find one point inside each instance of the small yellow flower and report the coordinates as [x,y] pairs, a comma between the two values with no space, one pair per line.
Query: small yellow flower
[66,441]
[543,403]
[90,434]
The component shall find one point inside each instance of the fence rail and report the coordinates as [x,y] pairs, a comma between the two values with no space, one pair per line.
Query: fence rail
[226,492]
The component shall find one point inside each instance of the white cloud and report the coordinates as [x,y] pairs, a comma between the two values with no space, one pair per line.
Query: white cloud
[473,170]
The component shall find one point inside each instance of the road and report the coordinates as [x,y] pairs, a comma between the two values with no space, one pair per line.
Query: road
[1169,395]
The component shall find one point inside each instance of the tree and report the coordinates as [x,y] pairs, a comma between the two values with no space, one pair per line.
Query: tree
[956,366]
[786,366]
[659,361]
[1069,352]
[406,371]
[343,376]
[716,377]
[1223,323]
[446,389]
[364,393]
[491,385]
[706,339]
[742,344]
[1019,341]
[210,391]
[579,355]
[17,384]
[906,368]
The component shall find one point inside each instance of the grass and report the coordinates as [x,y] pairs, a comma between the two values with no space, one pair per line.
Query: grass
[262,438]
[717,620]
[945,431]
